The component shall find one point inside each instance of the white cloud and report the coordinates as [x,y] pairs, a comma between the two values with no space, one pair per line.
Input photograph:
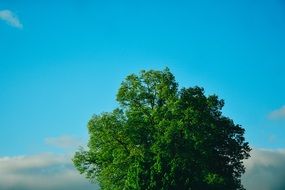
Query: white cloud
[9,17]
[44,171]
[65,141]
[265,170]
[277,114]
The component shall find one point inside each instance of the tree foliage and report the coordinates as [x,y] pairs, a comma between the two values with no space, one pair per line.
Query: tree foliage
[161,137]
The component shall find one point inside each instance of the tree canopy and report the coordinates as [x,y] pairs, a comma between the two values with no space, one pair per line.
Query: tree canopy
[163,137]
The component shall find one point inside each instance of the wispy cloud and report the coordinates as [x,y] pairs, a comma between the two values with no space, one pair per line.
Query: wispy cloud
[277,114]
[9,17]
[65,141]
[43,171]
[265,170]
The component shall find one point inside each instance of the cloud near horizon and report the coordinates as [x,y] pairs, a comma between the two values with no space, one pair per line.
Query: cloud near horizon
[43,171]
[10,18]
[277,114]
[265,170]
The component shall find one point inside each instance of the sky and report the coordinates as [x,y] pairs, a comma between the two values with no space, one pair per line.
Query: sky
[62,62]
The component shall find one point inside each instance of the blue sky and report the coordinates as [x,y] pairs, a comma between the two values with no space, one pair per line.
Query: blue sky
[61,62]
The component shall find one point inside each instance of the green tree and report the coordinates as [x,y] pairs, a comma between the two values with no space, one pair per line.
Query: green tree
[161,137]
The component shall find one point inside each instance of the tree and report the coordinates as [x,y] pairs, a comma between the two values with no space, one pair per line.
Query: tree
[161,137]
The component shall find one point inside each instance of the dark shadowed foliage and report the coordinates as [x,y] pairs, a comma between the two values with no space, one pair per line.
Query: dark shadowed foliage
[161,137]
